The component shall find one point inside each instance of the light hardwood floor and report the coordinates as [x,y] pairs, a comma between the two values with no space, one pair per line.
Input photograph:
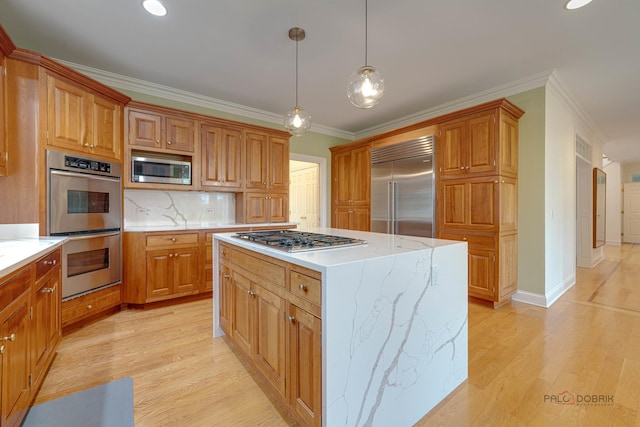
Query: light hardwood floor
[520,357]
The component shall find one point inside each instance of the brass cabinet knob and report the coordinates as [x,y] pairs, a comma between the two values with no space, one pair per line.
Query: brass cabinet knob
[168,142]
[170,255]
[461,167]
[1,349]
[302,287]
[292,319]
[251,293]
[226,276]
[11,338]
[50,262]
[48,290]
[89,306]
[173,239]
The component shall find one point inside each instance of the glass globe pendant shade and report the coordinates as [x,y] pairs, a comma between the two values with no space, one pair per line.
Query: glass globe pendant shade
[365,87]
[297,121]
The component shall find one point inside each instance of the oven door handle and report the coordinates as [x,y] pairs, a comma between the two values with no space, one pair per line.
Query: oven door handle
[94,235]
[84,175]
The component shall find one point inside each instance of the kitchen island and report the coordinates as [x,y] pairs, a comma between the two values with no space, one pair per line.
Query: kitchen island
[374,334]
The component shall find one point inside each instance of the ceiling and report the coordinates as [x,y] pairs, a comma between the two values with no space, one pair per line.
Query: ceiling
[430,52]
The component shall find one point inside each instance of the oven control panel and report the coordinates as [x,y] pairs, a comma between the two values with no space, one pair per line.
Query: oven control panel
[87,164]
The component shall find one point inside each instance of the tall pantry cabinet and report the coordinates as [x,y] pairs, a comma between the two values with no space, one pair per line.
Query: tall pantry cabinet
[477,194]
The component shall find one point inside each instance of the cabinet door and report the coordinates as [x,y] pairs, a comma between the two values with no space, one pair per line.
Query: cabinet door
[360,176]
[256,169]
[67,107]
[185,270]
[278,163]
[179,134]
[453,204]
[104,129]
[481,144]
[508,146]
[145,129]
[242,306]
[305,365]
[481,272]
[256,207]
[451,149]
[45,331]
[159,274]
[269,330]
[360,219]
[469,204]
[224,298]
[341,217]
[341,165]
[277,207]
[3,140]
[15,365]
[221,157]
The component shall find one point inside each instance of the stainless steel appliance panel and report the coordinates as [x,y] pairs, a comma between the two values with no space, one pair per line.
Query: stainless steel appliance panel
[413,196]
[381,209]
[90,262]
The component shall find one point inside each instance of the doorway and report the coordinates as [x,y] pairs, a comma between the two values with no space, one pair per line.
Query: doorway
[584,211]
[307,204]
[632,212]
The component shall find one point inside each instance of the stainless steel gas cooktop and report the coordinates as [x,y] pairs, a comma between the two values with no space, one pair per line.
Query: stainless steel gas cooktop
[298,241]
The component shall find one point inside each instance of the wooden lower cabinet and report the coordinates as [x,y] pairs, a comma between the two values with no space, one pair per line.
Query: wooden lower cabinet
[30,332]
[270,310]
[172,272]
[352,218]
[305,356]
[90,305]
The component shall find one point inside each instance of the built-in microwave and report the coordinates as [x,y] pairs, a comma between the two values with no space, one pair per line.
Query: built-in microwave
[160,170]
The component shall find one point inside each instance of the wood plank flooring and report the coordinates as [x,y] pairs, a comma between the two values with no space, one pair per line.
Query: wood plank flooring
[524,361]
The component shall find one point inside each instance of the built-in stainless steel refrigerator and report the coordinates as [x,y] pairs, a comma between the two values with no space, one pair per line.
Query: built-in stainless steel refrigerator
[402,188]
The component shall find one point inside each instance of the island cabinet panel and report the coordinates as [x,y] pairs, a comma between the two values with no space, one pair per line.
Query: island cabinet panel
[15,365]
[477,194]
[306,365]
[271,311]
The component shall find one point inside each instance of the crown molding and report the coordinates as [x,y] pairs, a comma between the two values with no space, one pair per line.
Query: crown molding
[119,81]
[556,86]
[503,91]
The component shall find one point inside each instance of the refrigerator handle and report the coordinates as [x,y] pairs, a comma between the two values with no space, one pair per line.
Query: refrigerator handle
[390,212]
[394,208]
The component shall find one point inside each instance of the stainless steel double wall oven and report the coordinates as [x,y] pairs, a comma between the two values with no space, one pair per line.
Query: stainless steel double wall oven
[85,204]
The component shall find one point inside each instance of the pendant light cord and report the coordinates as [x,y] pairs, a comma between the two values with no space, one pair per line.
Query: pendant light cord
[366,32]
[296,73]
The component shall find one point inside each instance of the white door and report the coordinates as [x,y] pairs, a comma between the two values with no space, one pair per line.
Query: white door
[304,194]
[632,212]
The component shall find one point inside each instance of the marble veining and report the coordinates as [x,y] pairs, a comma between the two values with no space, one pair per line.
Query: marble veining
[180,209]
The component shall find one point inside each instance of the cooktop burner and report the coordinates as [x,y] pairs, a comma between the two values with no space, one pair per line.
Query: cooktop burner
[298,241]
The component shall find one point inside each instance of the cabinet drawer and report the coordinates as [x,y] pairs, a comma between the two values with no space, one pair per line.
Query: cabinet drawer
[168,240]
[305,287]
[87,305]
[225,253]
[46,263]
[14,286]
[262,271]
[471,239]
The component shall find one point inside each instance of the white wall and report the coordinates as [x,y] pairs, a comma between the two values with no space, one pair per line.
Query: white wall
[614,202]
[560,196]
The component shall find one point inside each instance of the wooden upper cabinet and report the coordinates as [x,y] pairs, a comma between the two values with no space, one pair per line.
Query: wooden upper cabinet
[352,177]
[81,121]
[267,161]
[221,156]
[150,129]
[468,146]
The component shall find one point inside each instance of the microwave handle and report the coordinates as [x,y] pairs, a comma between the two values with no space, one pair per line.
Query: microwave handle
[84,175]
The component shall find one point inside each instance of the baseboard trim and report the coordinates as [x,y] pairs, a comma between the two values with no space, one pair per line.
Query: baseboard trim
[545,300]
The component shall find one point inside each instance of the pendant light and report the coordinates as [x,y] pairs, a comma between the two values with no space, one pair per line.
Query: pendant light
[297,121]
[366,85]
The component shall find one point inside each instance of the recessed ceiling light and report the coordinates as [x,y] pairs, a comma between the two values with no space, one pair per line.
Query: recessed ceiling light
[154,7]
[576,4]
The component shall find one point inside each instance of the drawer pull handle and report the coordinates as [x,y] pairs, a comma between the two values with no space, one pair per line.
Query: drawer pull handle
[173,239]
[48,290]
[292,319]
[54,262]
[11,338]
[226,276]
[89,307]
[302,287]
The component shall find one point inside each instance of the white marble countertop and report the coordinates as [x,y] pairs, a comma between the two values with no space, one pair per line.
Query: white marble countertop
[204,226]
[378,245]
[15,253]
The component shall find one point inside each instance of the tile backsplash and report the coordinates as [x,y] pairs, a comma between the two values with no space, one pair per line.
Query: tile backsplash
[144,208]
